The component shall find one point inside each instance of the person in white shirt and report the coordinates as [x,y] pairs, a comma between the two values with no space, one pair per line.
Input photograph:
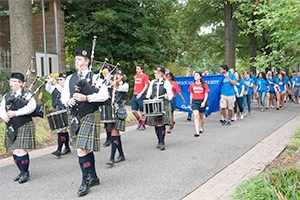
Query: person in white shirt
[81,95]
[55,87]
[15,110]
[160,88]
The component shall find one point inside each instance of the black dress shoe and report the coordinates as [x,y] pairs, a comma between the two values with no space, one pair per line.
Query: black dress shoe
[57,153]
[158,145]
[18,177]
[120,159]
[94,182]
[107,143]
[66,151]
[24,177]
[162,146]
[85,186]
[110,162]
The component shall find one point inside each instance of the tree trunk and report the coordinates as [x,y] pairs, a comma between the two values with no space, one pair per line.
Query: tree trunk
[21,35]
[253,47]
[230,33]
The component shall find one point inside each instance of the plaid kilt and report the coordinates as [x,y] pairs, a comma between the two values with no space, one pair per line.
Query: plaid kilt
[25,138]
[163,119]
[88,136]
[118,125]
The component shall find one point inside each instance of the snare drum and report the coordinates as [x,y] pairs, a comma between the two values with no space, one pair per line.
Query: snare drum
[58,120]
[107,114]
[153,107]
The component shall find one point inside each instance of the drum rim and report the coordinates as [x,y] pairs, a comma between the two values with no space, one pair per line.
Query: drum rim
[57,112]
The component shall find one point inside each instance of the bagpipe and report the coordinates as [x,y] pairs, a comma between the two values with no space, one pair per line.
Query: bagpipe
[84,85]
[26,96]
[22,100]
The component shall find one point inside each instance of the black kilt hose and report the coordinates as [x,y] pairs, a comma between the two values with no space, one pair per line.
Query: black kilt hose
[88,136]
[25,138]
[165,119]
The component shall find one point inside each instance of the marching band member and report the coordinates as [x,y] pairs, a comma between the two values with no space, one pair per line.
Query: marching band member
[121,89]
[160,88]
[22,124]
[84,108]
[55,89]
[105,73]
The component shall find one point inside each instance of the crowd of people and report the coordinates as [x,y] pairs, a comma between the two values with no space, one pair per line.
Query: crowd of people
[83,93]
[271,91]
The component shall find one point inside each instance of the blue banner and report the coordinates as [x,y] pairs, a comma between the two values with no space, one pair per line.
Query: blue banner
[214,83]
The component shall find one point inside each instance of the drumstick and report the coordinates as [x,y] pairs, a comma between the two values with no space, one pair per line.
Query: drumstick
[159,96]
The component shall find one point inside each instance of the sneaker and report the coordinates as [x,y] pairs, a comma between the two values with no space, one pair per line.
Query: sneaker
[228,123]
[189,119]
[142,128]
[139,126]
[242,116]
[249,114]
[224,122]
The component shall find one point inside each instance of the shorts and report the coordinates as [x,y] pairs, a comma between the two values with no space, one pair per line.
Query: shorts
[227,102]
[137,104]
[196,105]
[173,104]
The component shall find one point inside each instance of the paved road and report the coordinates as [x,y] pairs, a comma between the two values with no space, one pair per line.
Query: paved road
[148,173]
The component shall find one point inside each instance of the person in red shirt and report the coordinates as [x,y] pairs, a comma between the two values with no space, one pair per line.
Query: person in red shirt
[141,82]
[198,97]
[175,89]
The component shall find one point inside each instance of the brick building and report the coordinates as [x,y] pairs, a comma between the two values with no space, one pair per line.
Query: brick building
[49,36]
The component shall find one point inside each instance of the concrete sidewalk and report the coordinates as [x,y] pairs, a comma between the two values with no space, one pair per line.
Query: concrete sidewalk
[223,184]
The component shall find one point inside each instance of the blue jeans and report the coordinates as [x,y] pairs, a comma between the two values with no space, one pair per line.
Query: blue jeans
[238,103]
[247,102]
[262,97]
[189,115]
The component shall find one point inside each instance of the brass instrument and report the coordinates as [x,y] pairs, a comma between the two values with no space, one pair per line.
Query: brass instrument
[54,76]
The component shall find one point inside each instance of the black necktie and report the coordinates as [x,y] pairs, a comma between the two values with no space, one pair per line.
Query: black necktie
[79,75]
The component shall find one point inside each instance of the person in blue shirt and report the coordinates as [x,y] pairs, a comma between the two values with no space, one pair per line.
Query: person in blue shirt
[286,81]
[239,89]
[280,89]
[227,94]
[254,95]
[291,83]
[297,87]
[262,86]
[271,91]
[248,91]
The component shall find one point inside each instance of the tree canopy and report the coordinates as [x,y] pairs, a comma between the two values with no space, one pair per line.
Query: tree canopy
[128,31]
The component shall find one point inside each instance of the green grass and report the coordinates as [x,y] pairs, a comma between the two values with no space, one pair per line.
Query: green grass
[130,117]
[2,132]
[294,144]
[281,184]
